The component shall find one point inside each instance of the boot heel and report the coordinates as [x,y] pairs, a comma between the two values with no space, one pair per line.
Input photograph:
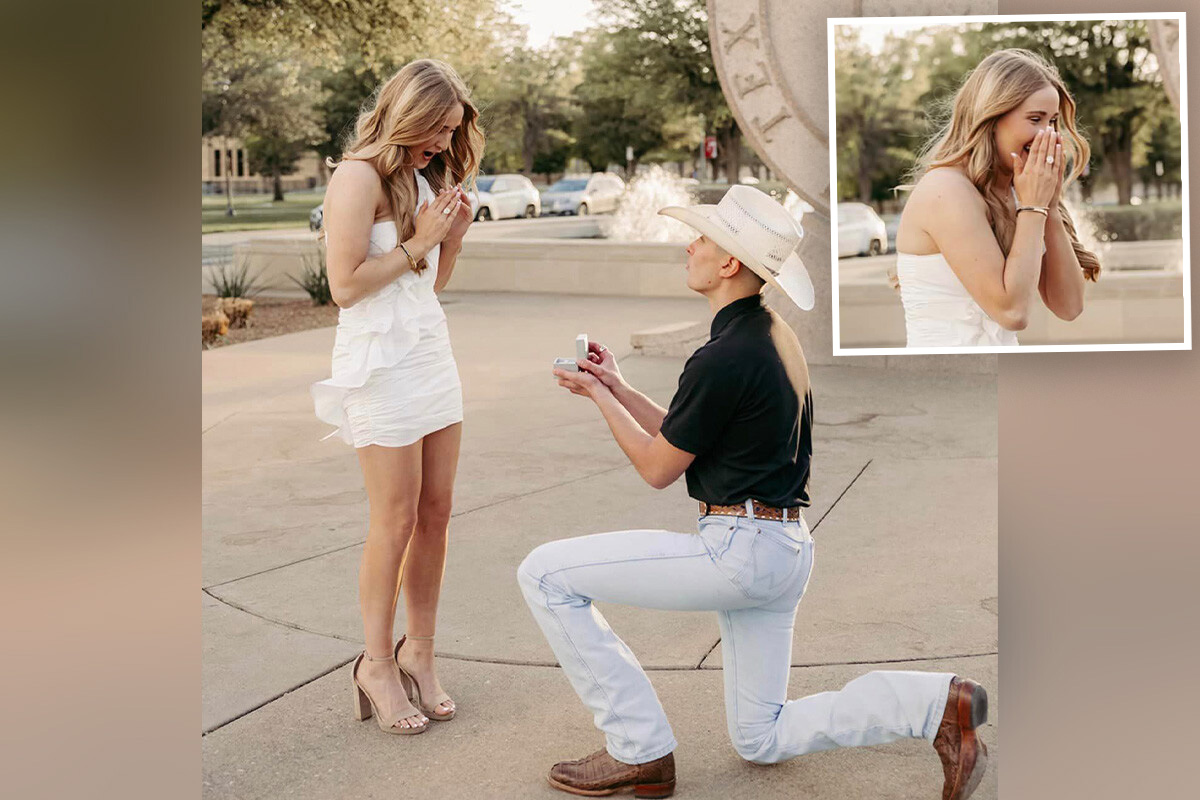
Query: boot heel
[654,790]
[979,706]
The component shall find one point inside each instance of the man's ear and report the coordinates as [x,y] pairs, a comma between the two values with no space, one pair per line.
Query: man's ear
[730,268]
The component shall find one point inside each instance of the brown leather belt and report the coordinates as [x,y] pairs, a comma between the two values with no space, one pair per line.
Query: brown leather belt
[760,511]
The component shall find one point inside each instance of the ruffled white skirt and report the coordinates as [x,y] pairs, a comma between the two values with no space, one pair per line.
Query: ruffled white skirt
[394,375]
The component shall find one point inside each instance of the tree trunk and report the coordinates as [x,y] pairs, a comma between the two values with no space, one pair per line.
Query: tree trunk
[278,181]
[729,140]
[1121,162]
[228,179]
[864,187]
[1085,188]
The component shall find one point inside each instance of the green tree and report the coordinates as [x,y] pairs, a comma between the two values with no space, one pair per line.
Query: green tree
[878,128]
[273,70]
[1158,155]
[616,108]
[669,50]
[531,105]
[274,156]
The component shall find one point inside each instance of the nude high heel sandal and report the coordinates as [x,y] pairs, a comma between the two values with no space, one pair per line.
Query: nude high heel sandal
[413,688]
[364,706]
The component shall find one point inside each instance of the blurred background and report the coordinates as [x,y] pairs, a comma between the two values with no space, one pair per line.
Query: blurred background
[568,88]
[597,114]
[893,80]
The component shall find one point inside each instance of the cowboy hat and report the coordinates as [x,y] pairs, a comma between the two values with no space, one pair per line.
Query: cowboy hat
[757,231]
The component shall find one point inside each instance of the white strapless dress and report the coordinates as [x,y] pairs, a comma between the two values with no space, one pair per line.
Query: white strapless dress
[394,376]
[938,309]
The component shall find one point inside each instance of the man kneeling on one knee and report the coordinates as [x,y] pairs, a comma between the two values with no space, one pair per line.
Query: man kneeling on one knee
[740,427]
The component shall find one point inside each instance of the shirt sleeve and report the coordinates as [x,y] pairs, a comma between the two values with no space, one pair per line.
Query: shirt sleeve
[702,406]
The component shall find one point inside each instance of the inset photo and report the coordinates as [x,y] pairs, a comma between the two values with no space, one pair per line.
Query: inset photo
[1009,183]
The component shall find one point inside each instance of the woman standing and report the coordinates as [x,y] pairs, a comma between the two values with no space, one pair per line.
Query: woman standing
[986,223]
[394,218]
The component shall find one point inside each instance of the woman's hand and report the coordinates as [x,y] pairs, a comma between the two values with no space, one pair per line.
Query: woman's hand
[1034,178]
[1061,163]
[463,217]
[435,219]
[601,363]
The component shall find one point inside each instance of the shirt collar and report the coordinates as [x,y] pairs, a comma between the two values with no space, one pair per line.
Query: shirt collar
[731,311]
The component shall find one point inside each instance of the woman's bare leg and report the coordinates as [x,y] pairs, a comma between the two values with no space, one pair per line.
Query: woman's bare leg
[427,556]
[392,476]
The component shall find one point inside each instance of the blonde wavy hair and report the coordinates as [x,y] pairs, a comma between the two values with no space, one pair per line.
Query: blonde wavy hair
[406,111]
[1000,83]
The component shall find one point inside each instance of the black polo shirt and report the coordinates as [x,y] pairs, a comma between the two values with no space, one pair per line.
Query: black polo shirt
[744,409]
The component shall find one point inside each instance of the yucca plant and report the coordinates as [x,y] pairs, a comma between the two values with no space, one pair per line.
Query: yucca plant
[230,281]
[314,280]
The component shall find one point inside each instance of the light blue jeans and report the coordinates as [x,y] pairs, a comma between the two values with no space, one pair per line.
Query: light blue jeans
[753,573]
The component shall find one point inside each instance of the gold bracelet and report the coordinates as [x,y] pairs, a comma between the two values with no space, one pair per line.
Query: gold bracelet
[412,262]
[1045,212]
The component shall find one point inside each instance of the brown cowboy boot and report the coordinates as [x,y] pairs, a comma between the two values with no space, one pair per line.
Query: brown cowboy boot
[964,757]
[601,774]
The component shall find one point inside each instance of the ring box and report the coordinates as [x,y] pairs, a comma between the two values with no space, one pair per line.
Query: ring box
[581,352]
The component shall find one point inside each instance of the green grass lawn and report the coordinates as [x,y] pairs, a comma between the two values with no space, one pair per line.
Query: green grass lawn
[255,212]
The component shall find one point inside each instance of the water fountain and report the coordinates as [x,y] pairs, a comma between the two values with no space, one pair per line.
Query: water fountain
[637,218]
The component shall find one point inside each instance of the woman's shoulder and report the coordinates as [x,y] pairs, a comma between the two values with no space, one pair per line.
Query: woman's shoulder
[356,187]
[355,174]
[950,179]
[945,184]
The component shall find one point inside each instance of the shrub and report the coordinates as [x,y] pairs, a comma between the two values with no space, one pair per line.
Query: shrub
[1163,220]
[212,327]
[314,280]
[231,281]
[236,309]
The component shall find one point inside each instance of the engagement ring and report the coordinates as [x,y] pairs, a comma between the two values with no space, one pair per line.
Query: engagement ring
[1049,159]
[448,210]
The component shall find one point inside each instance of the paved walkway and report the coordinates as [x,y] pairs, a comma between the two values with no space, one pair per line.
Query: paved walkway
[904,515]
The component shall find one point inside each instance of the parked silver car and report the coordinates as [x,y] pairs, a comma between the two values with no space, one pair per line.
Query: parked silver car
[860,232]
[582,195]
[503,196]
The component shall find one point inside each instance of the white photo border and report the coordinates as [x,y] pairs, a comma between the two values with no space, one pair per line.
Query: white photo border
[859,22]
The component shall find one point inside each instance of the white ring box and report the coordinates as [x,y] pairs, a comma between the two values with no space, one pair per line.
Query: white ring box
[581,352]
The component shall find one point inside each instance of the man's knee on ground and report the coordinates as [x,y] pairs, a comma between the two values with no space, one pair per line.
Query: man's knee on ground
[756,745]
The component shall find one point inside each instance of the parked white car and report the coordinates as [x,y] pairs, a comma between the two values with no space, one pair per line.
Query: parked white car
[861,232]
[504,196]
[583,195]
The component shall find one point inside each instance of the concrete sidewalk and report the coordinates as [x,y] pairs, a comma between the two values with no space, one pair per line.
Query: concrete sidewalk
[904,513]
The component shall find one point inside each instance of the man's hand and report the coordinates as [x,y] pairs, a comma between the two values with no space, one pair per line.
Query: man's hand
[581,383]
[601,363]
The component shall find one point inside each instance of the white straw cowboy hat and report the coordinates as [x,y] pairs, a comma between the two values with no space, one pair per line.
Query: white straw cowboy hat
[757,231]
